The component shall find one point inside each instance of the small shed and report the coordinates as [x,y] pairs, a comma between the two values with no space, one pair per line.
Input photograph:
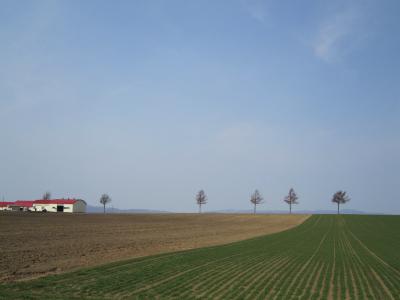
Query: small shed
[21,205]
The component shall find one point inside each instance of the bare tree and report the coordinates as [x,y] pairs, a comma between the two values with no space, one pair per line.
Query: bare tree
[256,199]
[291,198]
[105,199]
[201,199]
[340,197]
[46,196]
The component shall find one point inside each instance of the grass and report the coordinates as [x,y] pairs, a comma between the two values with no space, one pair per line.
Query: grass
[337,257]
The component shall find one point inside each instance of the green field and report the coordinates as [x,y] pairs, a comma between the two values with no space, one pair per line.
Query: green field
[337,257]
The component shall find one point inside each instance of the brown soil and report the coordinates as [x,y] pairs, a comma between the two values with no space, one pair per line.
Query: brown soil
[33,244]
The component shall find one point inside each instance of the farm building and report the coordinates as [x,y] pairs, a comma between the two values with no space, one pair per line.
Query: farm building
[5,205]
[60,205]
[54,205]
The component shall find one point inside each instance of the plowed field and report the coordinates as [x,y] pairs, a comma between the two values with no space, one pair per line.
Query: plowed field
[33,244]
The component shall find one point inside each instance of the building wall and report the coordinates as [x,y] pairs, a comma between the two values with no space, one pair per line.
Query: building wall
[51,207]
[44,207]
[37,207]
[69,208]
[79,206]
[18,208]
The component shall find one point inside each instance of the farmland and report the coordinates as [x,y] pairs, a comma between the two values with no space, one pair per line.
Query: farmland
[34,245]
[326,257]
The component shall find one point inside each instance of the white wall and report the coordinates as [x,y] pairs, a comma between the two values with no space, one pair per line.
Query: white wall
[79,206]
[47,207]
[69,208]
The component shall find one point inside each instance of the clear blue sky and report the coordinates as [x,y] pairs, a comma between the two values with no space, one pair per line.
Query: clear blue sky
[151,101]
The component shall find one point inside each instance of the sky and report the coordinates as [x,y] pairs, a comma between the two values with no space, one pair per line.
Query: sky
[151,101]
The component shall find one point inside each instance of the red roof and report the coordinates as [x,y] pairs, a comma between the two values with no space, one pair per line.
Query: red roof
[55,201]
[23,203]
[4,204]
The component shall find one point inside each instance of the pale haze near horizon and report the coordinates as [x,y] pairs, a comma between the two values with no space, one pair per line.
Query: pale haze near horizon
[151,101]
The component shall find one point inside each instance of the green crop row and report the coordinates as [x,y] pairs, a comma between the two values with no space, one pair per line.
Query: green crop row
[338,257]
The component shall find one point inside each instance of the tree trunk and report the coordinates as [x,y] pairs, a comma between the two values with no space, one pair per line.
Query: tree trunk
[255,205]
[199,208]
[104,208]
[290,207]
[338,208]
